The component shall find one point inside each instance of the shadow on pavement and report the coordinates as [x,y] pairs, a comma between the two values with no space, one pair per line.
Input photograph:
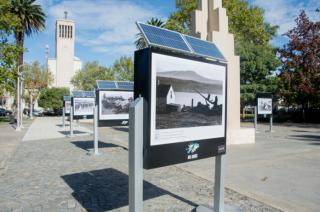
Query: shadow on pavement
[60,125]
[87,145]
[107,189]
[75,132]
[315,138]
[122,129]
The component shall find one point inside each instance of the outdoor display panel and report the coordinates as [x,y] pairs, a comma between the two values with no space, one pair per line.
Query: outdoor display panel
[186,98]
[114,107]
[264,103]
[83,107]
[67,107]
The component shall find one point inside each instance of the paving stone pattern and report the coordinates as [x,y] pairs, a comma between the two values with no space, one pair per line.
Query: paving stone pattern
[60,175]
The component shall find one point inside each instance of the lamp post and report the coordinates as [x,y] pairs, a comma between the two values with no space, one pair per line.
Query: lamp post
[19,93]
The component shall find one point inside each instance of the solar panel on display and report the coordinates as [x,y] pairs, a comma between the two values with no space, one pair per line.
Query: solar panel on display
[104,84]
[156,36]
[66,98]
[80,94]
[203,47]
[125,85]
[165,38]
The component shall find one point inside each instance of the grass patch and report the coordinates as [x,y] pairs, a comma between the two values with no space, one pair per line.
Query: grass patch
[4,119]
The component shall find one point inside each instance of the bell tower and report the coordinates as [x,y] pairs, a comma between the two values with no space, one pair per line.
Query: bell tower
[65,37]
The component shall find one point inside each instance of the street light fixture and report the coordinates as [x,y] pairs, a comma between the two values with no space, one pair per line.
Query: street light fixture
[19,93]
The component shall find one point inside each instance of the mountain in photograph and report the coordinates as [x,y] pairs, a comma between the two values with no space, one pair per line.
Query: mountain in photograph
[189,81]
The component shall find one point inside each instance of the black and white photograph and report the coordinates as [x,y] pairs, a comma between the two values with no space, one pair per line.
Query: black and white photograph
[189,98]
[83,106]
[114,104]
[264,106]
[67,107]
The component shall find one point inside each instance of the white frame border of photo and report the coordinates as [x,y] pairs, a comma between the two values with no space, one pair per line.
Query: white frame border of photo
[263,112]
[83,114]
[113,116]
[189,133]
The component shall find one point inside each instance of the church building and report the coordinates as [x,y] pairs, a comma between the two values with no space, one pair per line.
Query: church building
[65,64]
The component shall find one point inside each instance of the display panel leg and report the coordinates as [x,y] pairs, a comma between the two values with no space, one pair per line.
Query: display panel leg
[271,123]
[136,155]
[95,130]
[63,118]
[71,120]
[256,119]
[218,203]
[219,183]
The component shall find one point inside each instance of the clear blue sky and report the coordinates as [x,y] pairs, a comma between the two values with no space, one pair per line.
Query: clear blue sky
[105,29]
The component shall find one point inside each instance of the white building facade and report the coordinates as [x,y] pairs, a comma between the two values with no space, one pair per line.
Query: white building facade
[65,64]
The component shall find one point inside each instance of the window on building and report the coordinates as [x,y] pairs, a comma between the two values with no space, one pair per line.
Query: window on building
[70,31]
[62,33]
[59,30]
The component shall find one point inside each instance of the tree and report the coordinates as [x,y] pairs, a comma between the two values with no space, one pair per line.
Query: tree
[31,20]
[52,98]
[123,68]
[140,41]
[300,72]
[85,79]
[8,49]
[35,79]
[180,20]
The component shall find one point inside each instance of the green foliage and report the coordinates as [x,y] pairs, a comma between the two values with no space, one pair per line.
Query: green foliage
[35,78]
[31,16]
[180,20]
[31,19]
[123,68]
[52,98]
[248,91]
[247,23]
[300,72]
[8,49]
[85,79]
[258,61]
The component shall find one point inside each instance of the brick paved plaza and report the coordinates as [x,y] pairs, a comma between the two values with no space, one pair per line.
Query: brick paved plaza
[58,174]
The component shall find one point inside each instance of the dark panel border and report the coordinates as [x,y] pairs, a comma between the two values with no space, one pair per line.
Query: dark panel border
[169,154]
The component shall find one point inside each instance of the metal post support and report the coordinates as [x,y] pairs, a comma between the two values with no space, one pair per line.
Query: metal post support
[21,111]
[218,203]
[219,184]
[271,122]
[71,120]
[63,118]
[256,118]
[95,130]
[136,155]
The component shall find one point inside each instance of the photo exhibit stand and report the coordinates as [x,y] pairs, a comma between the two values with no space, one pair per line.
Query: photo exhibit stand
[71,120]
[136,155]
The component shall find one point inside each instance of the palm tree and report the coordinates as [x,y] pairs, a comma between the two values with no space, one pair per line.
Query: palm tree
[31,20]
[141,42]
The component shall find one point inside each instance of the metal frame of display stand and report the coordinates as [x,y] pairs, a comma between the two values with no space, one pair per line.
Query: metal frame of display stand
[136,128]
[256,121]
